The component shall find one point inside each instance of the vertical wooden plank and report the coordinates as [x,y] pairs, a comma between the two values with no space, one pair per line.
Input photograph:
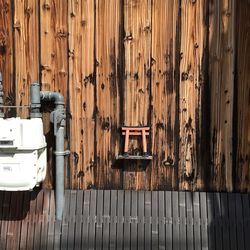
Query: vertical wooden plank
[210,218]
[108,63]
[217,220]
[176,222]
[193,95]
[246,217]
[141,224]
[221,76]
[232,220]
[134,220]
[225,221]
[99,220]
[106,220]
[162,220]
[148,226]
[31,220]
[137,44]
[169,220]
[65,221]
[113,220]
[26,50]
[79,217]
[127,224]
[164,132]
[72,219]
[6,51]
[44,230]
[38,219]
[51,221]
[92,219]
[239,222]
[120,212]
[190,221]
[204,224]
[197,227]
[54,65]
[155,228]
[81,22]
[25,221]
[85,226]
[242,179]
[183,229]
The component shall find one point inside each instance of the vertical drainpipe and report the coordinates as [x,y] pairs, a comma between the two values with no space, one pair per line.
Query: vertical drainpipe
[57,117]
[1,96]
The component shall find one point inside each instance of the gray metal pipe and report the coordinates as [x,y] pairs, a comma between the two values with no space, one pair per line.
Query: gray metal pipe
[57,117]
[35,99]
[1,96]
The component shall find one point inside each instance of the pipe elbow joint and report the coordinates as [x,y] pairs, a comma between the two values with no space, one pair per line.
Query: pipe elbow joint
[56,97]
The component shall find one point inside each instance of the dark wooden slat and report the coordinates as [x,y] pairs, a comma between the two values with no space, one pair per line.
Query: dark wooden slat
[155,230]
[134,220]
[217,219]
[92,221]
[225,221]
[51,221]
[32,222]
[169,220]
[99,220]
[44,230]
[175,207]
[106,219]
[232,221]
[210,214]
[239,222]
[72,216]
[120,202]
[148,205]
[5,222]
[57,236]
[246,219]
[161,220]
[182,211]
[65,221]
[203,213]
[113,220]
[24,226]
[141,220]
[197,232]
[127,219]
[190,227]
[85,226]
[79,215]
[38,220]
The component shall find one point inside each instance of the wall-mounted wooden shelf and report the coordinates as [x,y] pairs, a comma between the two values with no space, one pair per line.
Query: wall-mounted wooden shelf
[134,157]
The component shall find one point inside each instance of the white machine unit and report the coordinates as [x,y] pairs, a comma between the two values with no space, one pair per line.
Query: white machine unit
[23,154]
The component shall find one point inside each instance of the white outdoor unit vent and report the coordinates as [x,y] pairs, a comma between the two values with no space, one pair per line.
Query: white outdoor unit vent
[23,154]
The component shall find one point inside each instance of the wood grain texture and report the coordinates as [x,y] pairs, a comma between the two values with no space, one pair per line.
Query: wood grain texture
[53,65]
[137,45]
[163,101]
[81,20]
[108,67]
[221,76]
[242,181]
[26,50]
[6,51]
[192,95]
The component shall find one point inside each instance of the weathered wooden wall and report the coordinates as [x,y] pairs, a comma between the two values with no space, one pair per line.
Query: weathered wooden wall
[180,66]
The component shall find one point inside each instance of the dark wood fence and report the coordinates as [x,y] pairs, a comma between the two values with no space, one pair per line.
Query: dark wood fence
[118,219]
[179,66]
